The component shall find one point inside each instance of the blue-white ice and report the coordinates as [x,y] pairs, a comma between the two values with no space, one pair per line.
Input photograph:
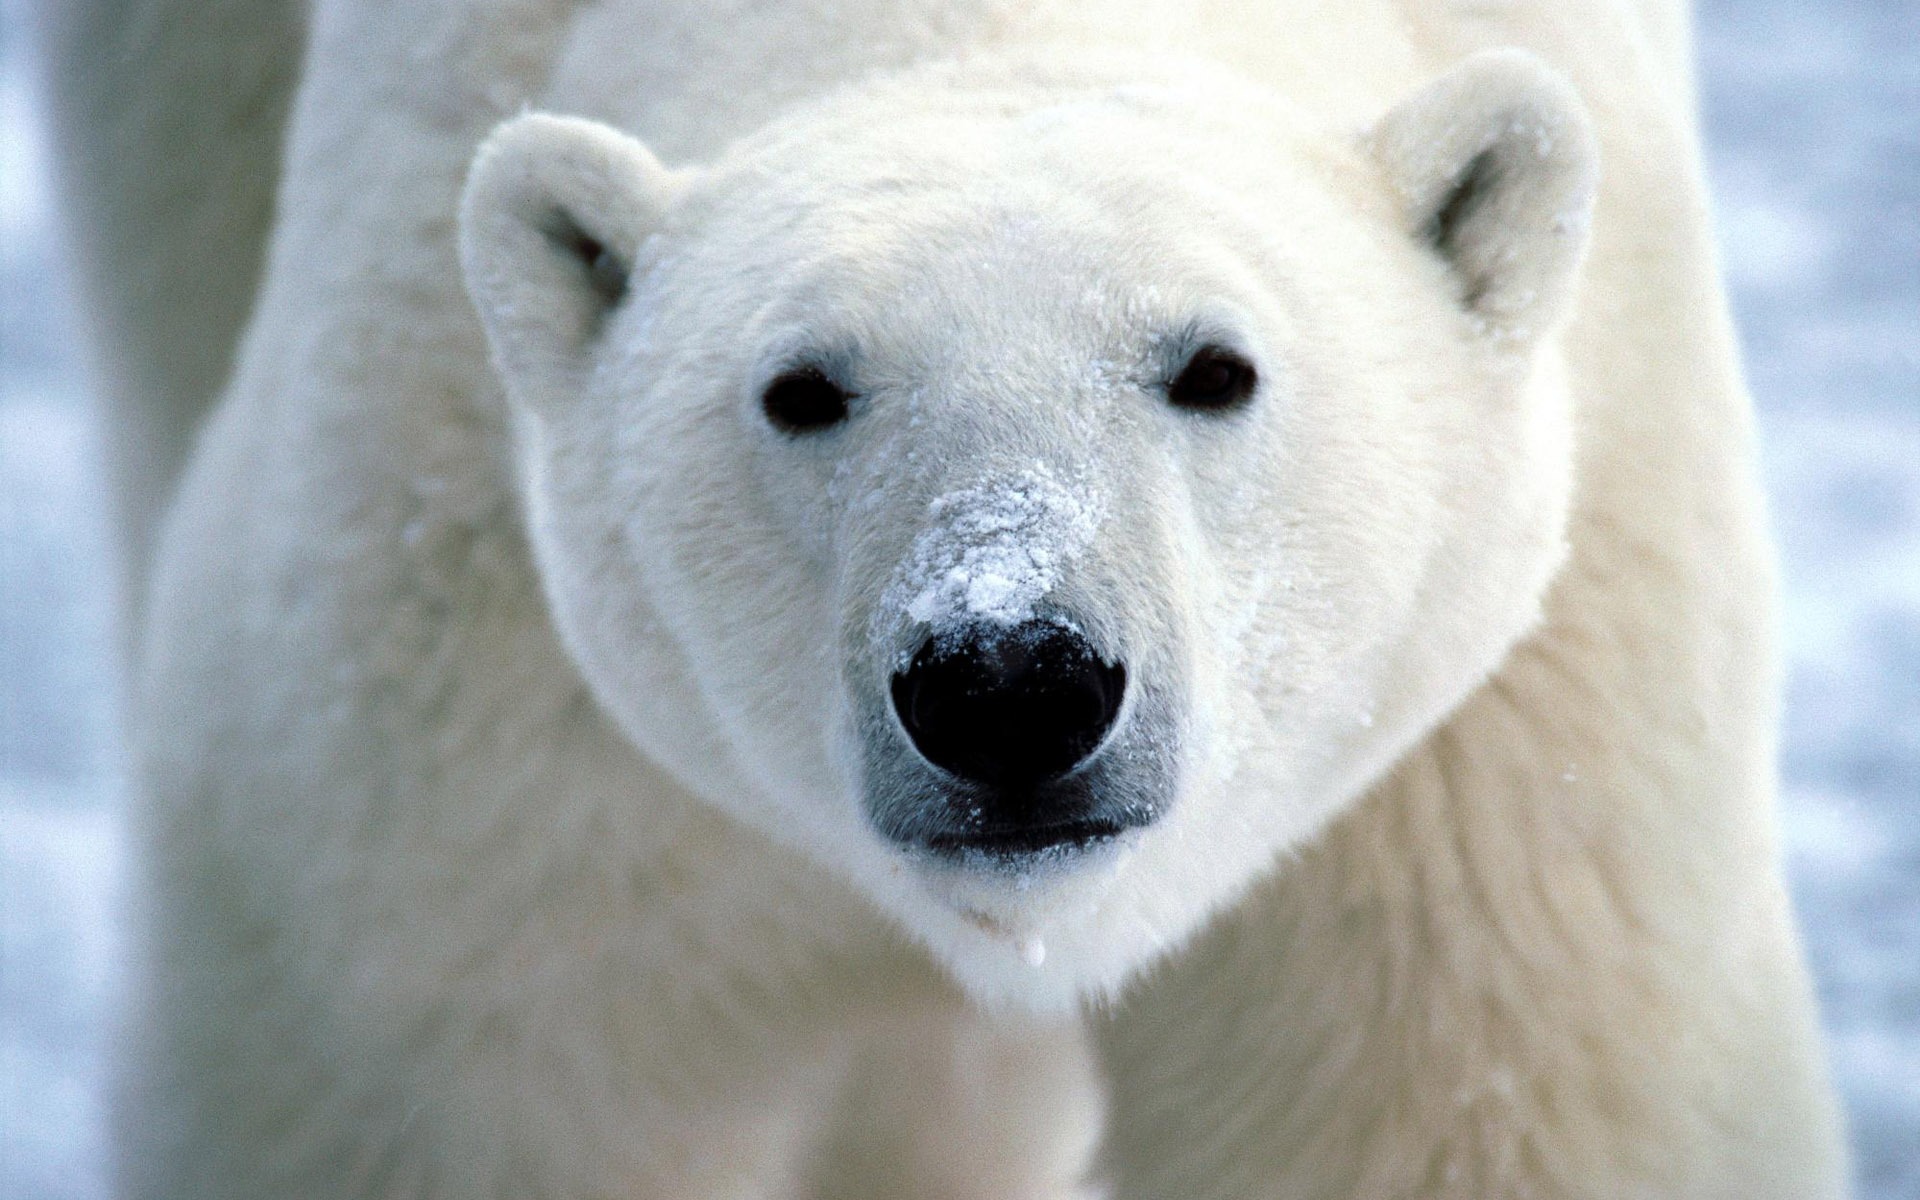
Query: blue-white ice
[1813,122]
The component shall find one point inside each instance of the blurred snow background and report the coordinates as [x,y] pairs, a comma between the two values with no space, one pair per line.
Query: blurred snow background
[1813,123]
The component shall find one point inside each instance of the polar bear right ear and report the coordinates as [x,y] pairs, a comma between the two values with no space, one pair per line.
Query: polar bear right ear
[554,212]
[1496,167]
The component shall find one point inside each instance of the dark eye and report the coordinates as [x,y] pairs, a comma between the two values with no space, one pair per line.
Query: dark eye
[1214,378]
[804,401]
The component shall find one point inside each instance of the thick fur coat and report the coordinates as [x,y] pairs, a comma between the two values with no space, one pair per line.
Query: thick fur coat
[520,810]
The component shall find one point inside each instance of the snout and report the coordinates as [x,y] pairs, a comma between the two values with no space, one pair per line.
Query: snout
[1009,708]
[1012,716]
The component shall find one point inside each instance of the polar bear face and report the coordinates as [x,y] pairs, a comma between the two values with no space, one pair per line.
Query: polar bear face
[1042,500]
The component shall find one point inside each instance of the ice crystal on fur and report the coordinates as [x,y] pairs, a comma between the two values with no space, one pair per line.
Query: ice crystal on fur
[996,548]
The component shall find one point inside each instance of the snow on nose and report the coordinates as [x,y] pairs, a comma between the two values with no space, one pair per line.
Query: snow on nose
[995,549]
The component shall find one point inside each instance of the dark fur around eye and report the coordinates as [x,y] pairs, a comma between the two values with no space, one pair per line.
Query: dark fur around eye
[804,400]
[1214,379]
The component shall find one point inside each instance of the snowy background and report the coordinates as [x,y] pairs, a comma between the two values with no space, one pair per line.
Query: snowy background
[1813,122]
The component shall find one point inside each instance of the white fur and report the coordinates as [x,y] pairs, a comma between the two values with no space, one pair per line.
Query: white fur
[500,715]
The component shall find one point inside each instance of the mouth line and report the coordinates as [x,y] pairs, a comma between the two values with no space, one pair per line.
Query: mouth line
[1024,841]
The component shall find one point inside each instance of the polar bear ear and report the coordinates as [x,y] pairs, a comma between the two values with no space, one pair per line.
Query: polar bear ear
[554,212]
[1495,165]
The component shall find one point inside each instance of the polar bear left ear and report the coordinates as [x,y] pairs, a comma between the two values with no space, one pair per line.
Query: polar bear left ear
[1496,166]
[554,212]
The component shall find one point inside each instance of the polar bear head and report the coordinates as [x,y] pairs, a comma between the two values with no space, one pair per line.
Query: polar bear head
[1042,499]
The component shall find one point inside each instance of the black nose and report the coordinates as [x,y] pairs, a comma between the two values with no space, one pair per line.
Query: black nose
[1008,707]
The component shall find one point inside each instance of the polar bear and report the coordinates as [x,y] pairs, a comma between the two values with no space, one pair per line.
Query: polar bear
[947,598]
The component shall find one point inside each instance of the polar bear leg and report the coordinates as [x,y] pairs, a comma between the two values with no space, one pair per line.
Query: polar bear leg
[168,115]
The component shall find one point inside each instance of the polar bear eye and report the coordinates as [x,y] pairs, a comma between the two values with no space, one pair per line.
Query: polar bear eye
[1214,378]
[804,401]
